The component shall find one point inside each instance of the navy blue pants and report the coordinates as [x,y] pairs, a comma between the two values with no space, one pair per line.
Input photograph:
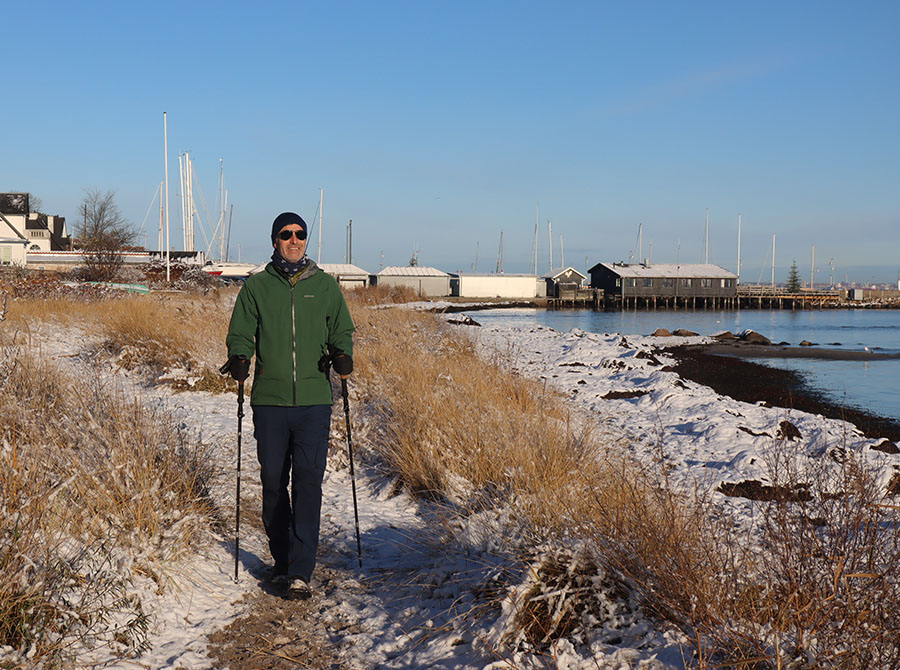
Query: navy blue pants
[292,447]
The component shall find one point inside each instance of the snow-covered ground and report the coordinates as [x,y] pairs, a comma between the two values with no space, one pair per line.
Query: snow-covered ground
[410,605]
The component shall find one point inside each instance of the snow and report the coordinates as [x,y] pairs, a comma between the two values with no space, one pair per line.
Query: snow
[406,607]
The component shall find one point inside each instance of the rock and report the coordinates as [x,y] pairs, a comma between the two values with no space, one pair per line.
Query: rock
[661,332]
[616,395]
[724,336]
[463,320]
[752,337]
[787,431]
[806,343]
[681,332]
[886,446]
[755,490]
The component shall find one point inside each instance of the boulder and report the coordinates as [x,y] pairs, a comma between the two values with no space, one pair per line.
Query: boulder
[681,332]
[806,343]
[724,336]
[661,332]
[752,337]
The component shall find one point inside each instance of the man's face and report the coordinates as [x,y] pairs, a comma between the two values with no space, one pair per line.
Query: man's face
[291,249]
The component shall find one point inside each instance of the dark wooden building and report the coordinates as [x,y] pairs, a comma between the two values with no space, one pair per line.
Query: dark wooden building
[665,284]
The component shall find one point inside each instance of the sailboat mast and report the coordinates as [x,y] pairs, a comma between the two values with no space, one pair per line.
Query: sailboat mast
[706,244]
[321,205]
[773,260]
[739,250]
[550,235]
[812,269]
[166,156]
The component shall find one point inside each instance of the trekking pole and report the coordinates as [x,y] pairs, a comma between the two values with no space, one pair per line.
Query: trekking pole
[237,497]
[352,474]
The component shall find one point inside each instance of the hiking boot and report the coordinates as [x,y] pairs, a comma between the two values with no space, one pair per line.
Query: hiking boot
[297,588]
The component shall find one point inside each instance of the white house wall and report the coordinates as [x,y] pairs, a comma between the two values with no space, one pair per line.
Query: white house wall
[497,286]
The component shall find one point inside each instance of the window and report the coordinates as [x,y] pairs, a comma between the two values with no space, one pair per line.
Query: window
[668,282]
[727,283]
[706,283]
[687,281]
[5,255]
[630,282]
[648,282]
[618,282]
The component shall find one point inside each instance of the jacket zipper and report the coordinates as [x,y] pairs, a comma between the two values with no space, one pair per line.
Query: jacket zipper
[293,348]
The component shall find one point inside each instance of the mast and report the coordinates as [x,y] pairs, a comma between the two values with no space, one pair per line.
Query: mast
[500,255]
[773,260]
[562,253]
[159,238]
[812,269]
[166,155]
[739,250]
[550,235]
[533,262]
[228,242]
[706,246]
[321,204]
[640,258]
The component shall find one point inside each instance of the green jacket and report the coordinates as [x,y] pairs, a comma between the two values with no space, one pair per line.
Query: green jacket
[290,324]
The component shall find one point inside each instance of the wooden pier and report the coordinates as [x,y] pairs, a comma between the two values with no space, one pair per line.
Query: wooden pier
[747,297]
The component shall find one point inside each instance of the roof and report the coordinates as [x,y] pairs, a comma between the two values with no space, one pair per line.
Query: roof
[556,272]
[500,275]
[342,269]
[410,271]
[702,270]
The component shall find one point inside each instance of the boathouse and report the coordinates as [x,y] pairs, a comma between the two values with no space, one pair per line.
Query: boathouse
[665,284]
[474,285]
[348,276]
[427,282]
[563,283]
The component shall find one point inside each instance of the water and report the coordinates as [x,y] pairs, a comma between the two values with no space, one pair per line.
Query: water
[870,385]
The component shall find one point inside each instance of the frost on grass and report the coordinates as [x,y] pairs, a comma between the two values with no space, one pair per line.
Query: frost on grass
[96,490]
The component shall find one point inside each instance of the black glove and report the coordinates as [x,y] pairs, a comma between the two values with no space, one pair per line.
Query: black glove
[238,366]
[343,363]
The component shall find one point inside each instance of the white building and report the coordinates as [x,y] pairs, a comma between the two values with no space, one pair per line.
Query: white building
[348,275]
[474,285]
[427,282]
[23,231]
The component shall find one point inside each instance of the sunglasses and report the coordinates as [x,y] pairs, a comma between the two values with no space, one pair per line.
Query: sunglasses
[287,234]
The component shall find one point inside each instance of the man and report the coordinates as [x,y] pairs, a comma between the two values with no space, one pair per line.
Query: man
[293,317]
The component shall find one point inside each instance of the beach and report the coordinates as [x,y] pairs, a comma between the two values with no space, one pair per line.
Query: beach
[724,368]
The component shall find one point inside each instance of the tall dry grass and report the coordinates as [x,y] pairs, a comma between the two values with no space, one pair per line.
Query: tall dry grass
[815,584]
[95,489]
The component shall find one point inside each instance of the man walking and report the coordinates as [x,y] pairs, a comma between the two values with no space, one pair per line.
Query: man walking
[293,317]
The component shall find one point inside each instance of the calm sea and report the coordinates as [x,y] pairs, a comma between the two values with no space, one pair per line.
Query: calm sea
[870,385]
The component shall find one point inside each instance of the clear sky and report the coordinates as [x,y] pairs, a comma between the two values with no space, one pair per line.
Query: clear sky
[437,125]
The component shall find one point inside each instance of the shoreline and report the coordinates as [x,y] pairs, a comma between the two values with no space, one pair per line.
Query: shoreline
[748,350]
[723,369]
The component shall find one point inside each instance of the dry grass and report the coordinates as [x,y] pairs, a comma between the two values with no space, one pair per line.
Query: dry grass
[817,584]
[94,487]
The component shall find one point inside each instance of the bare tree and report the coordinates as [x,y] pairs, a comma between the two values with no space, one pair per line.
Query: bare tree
[103,232]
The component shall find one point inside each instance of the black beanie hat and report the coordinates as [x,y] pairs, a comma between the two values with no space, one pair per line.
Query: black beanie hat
[287,219]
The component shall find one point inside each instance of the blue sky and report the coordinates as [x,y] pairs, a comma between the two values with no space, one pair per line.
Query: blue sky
[437,125]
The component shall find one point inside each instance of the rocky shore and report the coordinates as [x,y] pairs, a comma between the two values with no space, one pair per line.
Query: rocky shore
[722,368]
